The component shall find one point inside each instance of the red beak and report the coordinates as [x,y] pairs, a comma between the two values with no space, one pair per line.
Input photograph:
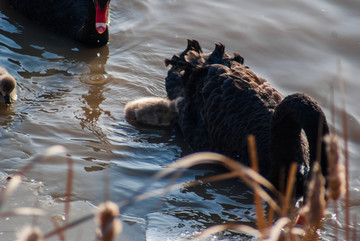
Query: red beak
[101,18]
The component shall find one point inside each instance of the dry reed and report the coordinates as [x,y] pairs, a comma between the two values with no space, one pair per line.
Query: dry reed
[346,152]
[289,189]
[261,223]
[314,209]
[224,227]
[336,175]
[30,233]
[13,183]
[109,224]
[69,181]
[355,224]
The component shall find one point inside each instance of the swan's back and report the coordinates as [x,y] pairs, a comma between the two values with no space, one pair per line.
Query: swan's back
[224,101]
[84,20]
[63,16]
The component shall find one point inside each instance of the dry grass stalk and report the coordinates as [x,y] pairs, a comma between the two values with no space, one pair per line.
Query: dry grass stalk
[69,180]
[237,170]
[346,153]
[253,153]
[316,197]
[355,223]
[314,210]
[161,191]
[289,188]
[13,183]
[30,234]
[51,151]
[224,227]
[283,230]
[246,174]
[270,233]
[24,211]
[261,223]
[68,226]
[336,171]
[60,233]
[109,224]
[270,215]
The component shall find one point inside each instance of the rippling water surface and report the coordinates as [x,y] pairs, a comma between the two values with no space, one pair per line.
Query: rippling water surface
[75,96]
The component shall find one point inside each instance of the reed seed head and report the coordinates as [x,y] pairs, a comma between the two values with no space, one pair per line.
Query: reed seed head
[109,224]
[314,209]
[30,233]
[336,176]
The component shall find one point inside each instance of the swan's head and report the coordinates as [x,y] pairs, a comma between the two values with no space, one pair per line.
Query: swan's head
[7,87]
[95,31]
[101,15]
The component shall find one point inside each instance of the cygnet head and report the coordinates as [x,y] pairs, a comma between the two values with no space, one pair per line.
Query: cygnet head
[7,86]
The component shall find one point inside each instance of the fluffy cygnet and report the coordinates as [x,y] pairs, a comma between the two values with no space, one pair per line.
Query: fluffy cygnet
[153,111]
[7,87]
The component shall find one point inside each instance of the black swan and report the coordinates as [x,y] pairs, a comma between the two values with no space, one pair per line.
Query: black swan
[84,20]
[221,102]
[7,87]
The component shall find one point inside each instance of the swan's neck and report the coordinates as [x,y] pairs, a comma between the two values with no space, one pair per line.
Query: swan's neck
[296,113]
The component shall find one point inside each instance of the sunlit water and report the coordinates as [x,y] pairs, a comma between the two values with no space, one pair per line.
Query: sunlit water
[75,96]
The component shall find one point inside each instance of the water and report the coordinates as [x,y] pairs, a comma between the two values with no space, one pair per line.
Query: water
[74,96]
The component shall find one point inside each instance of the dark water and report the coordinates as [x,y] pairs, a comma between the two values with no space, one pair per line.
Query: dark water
[74,96]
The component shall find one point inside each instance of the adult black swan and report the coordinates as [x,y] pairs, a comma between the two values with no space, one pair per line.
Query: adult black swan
[84,20]
[221,102]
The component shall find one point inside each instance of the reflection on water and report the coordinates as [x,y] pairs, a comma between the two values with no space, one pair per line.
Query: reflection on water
[96,81]
[74,96]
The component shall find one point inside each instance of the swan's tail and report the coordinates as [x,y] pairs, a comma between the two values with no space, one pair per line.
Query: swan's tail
[192,58]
